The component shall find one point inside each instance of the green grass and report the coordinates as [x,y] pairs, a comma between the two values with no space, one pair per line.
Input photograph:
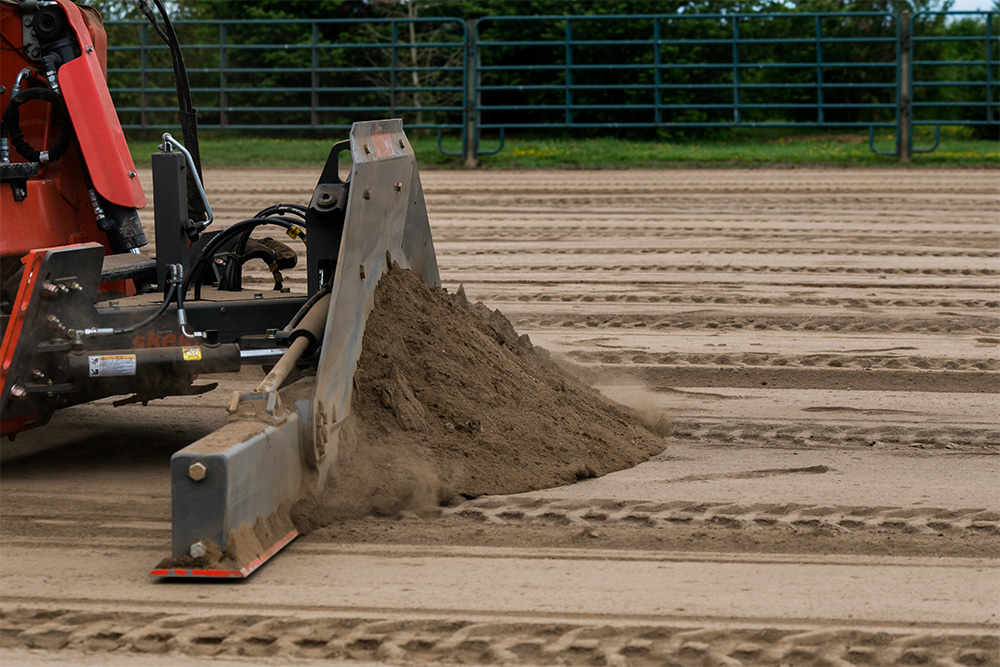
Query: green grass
[743,148]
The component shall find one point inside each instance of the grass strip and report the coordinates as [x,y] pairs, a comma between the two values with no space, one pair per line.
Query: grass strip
[740,149]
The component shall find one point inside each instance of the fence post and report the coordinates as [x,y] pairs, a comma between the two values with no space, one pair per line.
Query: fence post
[144,75]
[657,75]
[314,77]
[989,69]
[819,70]
[470,144]
[223,79]
[904,119]
[568,49]
[394,65]
[736,70]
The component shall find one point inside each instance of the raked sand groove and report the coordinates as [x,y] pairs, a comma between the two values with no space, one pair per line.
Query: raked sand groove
[825,344]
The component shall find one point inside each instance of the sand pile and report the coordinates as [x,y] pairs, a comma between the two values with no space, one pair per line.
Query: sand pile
[450,402]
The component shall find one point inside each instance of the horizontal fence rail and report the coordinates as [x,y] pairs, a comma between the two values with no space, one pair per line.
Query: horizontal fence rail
[740,77]
[296,74]
[871,71]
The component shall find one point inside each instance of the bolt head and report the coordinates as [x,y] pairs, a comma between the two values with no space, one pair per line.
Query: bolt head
[197,471]
[17,391]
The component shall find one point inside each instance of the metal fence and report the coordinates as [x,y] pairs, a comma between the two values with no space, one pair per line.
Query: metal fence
[296,74]
[876,72]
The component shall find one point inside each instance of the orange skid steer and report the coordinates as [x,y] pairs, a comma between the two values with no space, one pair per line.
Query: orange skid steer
[86,314]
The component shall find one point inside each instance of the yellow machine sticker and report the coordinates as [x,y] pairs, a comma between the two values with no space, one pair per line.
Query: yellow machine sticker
[112,365]
[191,353]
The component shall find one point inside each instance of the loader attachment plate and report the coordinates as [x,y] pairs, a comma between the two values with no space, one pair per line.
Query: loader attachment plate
[234,489]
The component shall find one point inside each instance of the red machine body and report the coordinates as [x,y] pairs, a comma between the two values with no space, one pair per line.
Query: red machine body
[56,208]
[46,204]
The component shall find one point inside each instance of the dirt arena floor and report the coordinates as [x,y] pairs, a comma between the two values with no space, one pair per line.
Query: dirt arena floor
[826,344]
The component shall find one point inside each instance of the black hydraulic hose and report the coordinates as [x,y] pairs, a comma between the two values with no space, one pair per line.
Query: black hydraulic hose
[222,237]
[188,114]
[275,210]
[11,124]
[283,209]
[167,298]
[310,302]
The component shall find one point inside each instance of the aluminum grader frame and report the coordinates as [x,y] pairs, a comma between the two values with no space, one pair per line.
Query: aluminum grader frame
[86,315]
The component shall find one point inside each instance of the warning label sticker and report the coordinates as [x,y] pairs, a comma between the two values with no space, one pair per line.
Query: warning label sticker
[191,353]
[111,365]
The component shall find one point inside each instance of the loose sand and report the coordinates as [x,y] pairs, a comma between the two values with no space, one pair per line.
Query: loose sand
[449,401]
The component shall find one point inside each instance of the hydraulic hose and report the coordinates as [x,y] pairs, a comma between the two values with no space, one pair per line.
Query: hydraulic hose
[167,299]
[222,237]
[11,124]
[174,280]
[310,302]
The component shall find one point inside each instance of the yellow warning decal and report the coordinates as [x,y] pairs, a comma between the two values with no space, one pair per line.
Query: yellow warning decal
[191,353]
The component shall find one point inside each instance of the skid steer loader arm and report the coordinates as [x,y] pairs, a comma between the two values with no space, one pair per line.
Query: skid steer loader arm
[234,490]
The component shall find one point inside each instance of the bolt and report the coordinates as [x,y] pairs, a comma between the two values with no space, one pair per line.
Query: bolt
[363,273]
[27,21]
[222,310]
[131,174]
[401,144]
[75,286]
[399,187]
[17,391]
[90,49]
[197,471]
[258,295]
[37,373]
[50,289]
[367,151]
[368,194]
[198,550]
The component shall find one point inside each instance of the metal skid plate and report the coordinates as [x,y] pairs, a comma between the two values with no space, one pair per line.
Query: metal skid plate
[216,487]
[385,221]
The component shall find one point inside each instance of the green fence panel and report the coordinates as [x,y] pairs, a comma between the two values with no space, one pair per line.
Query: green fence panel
[872,71]
[299,74]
